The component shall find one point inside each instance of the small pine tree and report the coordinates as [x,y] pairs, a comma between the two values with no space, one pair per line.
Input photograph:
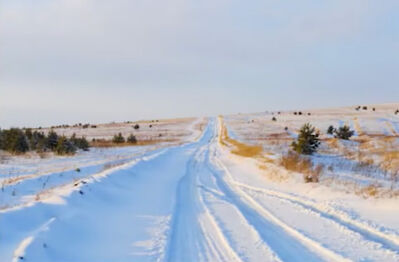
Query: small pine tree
[118,139]
[21,145]
[52,140]
[38,141]
[14,140]
[344,132]
[28,133]
[65,146]
[80,143]
[330,130]
[307,141]
[132,139]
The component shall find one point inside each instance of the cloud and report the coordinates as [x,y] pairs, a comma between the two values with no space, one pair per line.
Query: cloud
[109,50]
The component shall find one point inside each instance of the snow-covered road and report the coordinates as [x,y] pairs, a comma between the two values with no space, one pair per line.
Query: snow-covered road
[188,203]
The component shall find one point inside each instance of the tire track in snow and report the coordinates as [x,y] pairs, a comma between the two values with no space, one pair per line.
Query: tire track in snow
[188,234]
[231,225]
[390,242]
[19,252]
[288,243]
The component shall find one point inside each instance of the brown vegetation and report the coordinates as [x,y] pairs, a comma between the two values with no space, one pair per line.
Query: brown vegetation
[239,148]
[301,164]
[109,143]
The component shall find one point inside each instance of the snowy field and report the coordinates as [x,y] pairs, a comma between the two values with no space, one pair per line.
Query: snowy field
[197,201]
[367,163]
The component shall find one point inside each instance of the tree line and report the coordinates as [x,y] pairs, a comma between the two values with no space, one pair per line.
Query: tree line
[17,141]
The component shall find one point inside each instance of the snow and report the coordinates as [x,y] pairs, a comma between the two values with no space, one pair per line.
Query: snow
[188,202]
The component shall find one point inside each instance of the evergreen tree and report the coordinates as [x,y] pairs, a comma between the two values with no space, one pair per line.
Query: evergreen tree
[132,139]
[65,146]
[1,140]
[80,143]
[118,139]
[344,132]
[14,140]
[22,144]
[330,130]
[307,141]
[52,140]
[38,141]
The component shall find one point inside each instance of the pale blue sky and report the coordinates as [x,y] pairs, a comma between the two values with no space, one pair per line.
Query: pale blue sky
[66,61]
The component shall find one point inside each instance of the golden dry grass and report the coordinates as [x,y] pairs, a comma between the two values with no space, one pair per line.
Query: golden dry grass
[300,164]
[239,148]
[357,127]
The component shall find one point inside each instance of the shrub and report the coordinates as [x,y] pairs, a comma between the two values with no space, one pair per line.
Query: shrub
[118,139]
[136,126]
[65,146]
[274,119]
[132,139]
[364,107]
[307,141]
[330,130]
[344,132]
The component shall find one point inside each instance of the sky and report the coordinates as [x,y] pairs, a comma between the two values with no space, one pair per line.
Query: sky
[69,61]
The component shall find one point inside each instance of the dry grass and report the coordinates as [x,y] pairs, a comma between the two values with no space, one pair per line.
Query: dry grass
[14,180]
[371,190]
[109,143]
[390,161]
[300,164]
[357,127]
[239,148]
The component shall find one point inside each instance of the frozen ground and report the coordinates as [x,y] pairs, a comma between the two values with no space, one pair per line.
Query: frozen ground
[195,202]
